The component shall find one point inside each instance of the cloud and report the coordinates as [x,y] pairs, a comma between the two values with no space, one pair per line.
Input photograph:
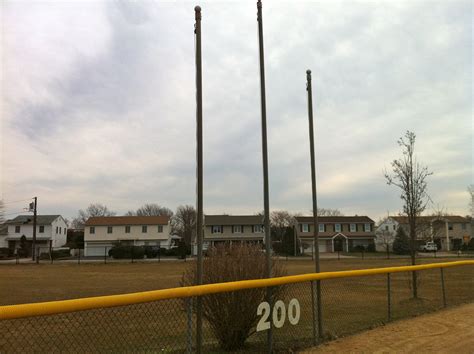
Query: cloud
[100,105]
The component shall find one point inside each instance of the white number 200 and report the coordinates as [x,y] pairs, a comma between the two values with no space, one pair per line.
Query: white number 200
[278,314]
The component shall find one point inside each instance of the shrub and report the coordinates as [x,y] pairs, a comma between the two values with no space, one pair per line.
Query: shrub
[151,251]
[358,248]
[233,315]
[5,252]
[371,247]
[470,245]
[124,252]
[56,254]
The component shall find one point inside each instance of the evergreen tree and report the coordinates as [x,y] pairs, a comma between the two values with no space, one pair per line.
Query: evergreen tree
[401,244]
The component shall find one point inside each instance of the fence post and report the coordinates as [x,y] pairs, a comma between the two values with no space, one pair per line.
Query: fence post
[313,310]
[79,257]
[105,255]
[362,253]
[189,313]
[338,255]
[51,254]
[37,255]
[389,299]
[132,254]
[442,287]
[17,257]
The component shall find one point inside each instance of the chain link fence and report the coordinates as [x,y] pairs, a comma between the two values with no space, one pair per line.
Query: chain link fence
[349,304]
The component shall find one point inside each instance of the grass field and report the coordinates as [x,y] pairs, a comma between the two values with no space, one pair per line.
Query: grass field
[45,282]
[349,305]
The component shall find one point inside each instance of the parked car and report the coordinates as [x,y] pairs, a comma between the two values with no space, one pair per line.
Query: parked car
[429,247]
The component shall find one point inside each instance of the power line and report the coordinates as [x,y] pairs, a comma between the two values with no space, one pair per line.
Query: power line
[16,201]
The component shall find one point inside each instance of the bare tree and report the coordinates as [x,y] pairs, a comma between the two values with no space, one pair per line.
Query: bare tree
[2,212]
[328,212]
[279,221]
[408,175]
[151,209]
[95,209]
[385,239]
[470,190]
[183,223]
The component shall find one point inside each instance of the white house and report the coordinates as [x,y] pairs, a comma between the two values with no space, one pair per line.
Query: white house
[102,233]
[448,231]
[51,231]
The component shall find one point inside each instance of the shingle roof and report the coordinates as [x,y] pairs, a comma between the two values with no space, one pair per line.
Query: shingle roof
[28,219]
[427,219]
[335,219]
[233,220]
[127,220]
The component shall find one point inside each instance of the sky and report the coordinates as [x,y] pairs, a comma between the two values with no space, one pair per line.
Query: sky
[98,103]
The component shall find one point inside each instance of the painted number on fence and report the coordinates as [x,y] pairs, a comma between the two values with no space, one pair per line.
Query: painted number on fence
[278,314]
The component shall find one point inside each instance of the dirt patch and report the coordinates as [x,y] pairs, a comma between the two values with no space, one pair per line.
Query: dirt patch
[447,331]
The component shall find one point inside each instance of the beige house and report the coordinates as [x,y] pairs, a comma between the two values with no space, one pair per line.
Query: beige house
[449,231]
[232,229]
[336,233]
[101,233]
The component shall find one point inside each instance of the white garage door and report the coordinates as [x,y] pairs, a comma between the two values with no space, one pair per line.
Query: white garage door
[322,246]
[96,250]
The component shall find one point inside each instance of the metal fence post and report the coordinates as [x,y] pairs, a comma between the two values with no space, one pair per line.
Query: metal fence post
[132,254]
[442,287]
[389,299]
[105,255]
[313,311]
[189,316]
[51,255]
[37,255]
[17,258]
[79,257]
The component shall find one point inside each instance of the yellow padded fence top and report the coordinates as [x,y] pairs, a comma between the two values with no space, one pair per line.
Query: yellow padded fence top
[65,306]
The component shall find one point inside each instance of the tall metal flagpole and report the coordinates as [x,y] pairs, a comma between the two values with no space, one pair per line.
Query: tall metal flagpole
[266,201]
[199,206]
[315,203]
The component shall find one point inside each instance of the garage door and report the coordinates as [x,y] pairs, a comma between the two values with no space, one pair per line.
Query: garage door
[322,246]
[95,250]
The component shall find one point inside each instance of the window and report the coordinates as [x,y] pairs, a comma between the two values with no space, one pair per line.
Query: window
[394,227]
[92,230]
[337,228]
[237,229]
[463,226]
[56,229]
[160,228]
[17,229]
[127,229]
[386,227]
[367,227]
[216,229]
[450,226]
[353,228]
[144,229]
[321,227]
[109,229]
[305,228]
[257,229]
[41,229]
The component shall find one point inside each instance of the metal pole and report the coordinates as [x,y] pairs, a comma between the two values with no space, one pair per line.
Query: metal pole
[389,299]
[105,254]
[315,203]
[313,310]
[34,227]
[442,287]
[199,172]
[78,257]
[37,255]
[266,199]
[189,317]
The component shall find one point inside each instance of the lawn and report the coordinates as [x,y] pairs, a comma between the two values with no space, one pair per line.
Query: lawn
[349,305]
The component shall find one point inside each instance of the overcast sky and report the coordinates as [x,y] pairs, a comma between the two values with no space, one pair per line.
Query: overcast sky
[98,103]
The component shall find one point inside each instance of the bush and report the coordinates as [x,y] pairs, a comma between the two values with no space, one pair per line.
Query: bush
[151,251]
[5,252]
[371,247]
[124,252]
[470,245]
[232,316]
[358,248]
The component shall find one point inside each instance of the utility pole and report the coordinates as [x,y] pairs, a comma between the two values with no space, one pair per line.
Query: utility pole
[33,246]
[315,203]
[199,171]
[266,200]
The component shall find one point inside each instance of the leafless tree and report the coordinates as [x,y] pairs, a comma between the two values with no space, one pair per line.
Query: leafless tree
[183,223]
[470,190]
[279,221]
[95,209]
[151,209]
[411,177]
[328,212]
[385,239]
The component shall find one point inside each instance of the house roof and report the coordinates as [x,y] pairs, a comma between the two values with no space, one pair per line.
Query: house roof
[28,219]
[127,220]
[233,220]
[427,219]
[335,219]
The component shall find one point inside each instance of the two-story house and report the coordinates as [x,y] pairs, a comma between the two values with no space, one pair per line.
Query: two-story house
[448,231]
[232,229]
[51,231]
[335,233]
[101,233]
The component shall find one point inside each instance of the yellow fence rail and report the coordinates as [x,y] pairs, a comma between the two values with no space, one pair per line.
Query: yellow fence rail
[66,306]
